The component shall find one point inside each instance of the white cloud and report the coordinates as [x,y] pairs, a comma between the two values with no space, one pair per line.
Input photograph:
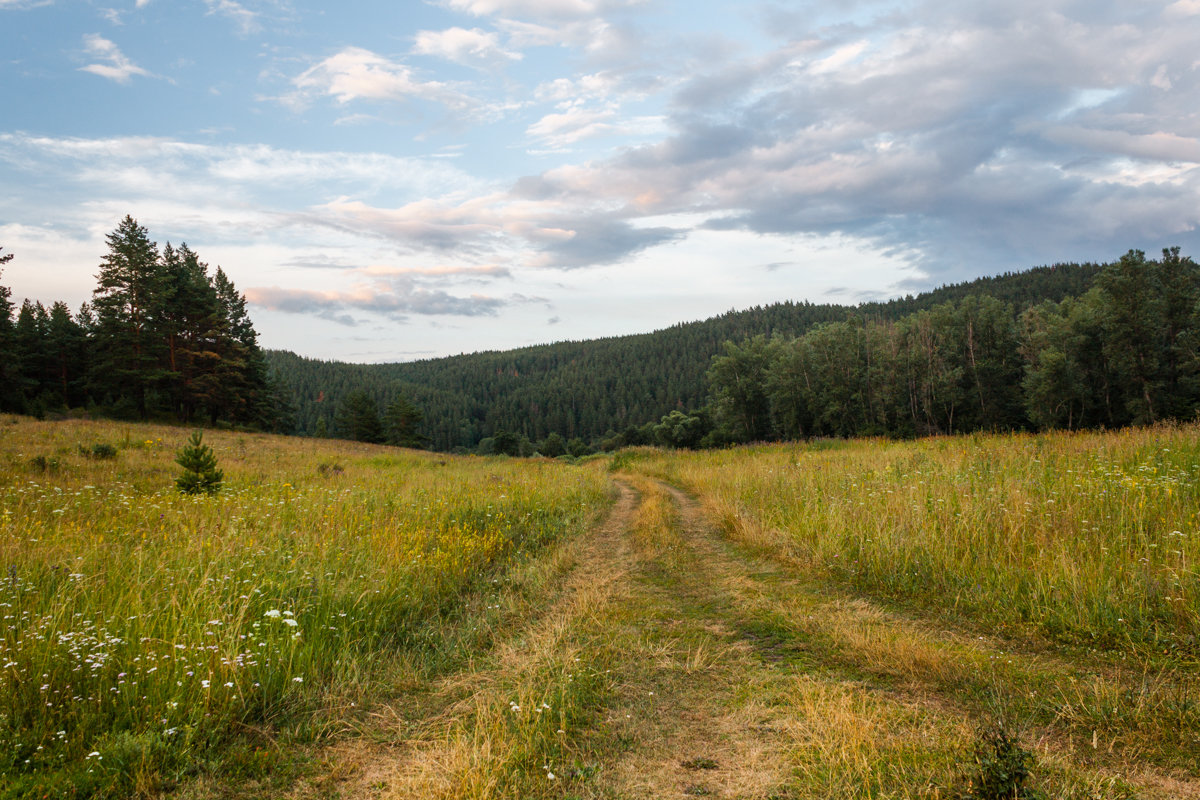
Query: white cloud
[358,74]
[136,168]
[472,47]
[576,123]
[116,67]
[553,9]
[245,19]
[595,86]
[567,127]
[1182,8]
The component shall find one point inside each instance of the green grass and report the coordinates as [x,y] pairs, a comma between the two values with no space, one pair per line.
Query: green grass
[836,620]
[1087,539]
[146,632]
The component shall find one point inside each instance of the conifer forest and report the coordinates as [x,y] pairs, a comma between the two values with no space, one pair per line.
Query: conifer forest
[1068,346]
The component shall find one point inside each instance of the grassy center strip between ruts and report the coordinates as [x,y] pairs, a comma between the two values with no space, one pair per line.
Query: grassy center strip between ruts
[520,719]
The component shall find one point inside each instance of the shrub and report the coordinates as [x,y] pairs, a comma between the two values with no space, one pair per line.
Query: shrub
[99,451]
[44,464]
[1001,767]
[200,473]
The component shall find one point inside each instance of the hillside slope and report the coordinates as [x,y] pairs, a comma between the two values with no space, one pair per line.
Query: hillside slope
[587,388]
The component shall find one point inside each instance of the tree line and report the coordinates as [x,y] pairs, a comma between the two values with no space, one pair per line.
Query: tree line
[608,392]
[1065,346]
[161,338]
[1123,352]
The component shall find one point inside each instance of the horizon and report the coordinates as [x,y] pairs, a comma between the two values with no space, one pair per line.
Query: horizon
[682,323]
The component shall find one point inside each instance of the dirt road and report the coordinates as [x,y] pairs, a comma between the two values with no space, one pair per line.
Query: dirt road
[655,658]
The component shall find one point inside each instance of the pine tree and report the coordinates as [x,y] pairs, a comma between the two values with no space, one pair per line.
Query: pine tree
[29,355]
[200,473]
[400,422]
[66,351]
[358,418]
[1134,324]
[240,375]
[9,367]
[130,285]
[190,321]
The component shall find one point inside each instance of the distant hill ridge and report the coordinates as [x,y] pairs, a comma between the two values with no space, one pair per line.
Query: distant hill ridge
[585,389]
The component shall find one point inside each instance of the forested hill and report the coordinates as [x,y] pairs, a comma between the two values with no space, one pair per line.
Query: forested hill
[587,389]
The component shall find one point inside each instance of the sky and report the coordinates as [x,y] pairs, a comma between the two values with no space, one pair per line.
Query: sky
[390,181]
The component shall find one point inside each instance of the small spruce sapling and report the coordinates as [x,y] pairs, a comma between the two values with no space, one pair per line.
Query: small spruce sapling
[200,473]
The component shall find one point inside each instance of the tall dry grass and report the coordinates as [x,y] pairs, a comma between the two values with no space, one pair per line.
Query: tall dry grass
[1089,538]
[143,628]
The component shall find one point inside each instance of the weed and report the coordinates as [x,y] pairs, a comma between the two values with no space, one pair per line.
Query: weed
[327,469]
[42,463]
[100,451]
[1002,767]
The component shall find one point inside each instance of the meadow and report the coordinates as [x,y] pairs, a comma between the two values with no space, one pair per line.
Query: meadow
[1087,539]
[1046,584]
[826,619]
[149,635]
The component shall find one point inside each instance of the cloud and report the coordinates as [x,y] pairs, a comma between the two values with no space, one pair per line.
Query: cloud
[1157,146]
[538,9]
[569,126]
[1181,9]
[966,140]
[537,233]
[963,131]
[473,47]
[116,67]
[139,167]
[358,74]
[245,19]
[475,273]
[393,298]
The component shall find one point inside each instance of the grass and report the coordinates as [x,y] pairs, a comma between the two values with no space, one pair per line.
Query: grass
[1085,539]
[848,619]
[146,632]
[1048,578]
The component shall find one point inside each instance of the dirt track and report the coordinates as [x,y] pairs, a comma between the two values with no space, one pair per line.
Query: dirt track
[730,677]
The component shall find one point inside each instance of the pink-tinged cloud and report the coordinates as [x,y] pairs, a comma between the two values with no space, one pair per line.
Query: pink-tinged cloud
[358,74]
[473,47]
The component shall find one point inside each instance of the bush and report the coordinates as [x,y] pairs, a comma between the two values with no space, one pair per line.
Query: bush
[99,451]
[327,469]
[44,464]
[200,473]
[1001,767]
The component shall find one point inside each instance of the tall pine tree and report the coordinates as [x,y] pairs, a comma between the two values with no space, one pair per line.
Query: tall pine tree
[128,347]
[9,392]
